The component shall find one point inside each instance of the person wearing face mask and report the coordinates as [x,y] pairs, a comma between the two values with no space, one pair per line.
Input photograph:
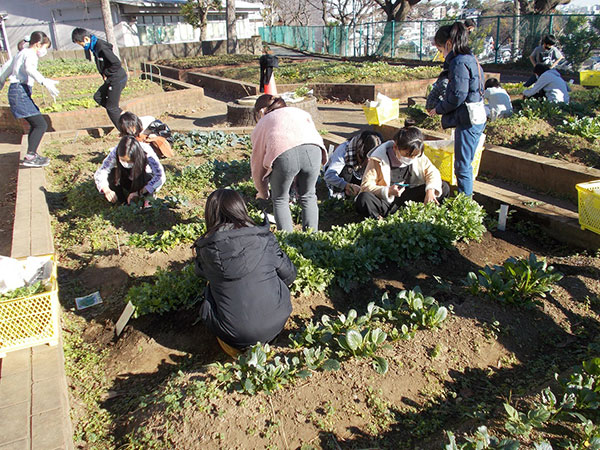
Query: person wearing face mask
[115,78]
[462,107]
[345,168]
[397,172]
[22,74]
[130,170]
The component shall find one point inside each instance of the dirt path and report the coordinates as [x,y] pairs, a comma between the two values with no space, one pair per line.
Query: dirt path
[10,146]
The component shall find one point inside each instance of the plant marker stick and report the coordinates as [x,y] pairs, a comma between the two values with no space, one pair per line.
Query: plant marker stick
[125,316]
[502,217]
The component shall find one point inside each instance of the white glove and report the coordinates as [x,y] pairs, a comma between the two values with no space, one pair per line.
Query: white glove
[51,86]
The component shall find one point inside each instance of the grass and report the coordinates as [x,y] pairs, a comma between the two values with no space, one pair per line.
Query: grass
[332,72]
[538,132]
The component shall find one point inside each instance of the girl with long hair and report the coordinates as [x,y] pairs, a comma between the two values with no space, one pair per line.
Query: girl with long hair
[247,299]
[130,170]
[462,107]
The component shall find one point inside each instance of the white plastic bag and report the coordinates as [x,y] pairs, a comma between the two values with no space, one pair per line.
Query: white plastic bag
[15,273]
[12,275]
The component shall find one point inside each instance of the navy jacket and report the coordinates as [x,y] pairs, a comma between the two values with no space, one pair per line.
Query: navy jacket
[247,299]
[465,84]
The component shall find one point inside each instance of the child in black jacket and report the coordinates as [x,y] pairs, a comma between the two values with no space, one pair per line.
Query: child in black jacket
[247,299]
[109,66]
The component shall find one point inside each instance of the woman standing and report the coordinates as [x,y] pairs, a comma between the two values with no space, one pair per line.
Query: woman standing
[22,75]
[247,299]
[462,107]
[286,146]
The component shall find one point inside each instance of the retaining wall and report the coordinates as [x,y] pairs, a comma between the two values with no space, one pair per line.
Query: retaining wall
[536,172]
[153,105]
[354,92]
[135,55]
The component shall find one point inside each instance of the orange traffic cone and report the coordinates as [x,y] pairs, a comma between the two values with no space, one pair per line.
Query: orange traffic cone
[271,88]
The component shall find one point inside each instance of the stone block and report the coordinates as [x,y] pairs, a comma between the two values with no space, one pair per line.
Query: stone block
[15,423]
[16,362]
[15,389]
[46,394]
[46,365]
[48,430]
[21,444]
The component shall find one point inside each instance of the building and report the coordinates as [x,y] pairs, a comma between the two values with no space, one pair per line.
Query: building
[136,22]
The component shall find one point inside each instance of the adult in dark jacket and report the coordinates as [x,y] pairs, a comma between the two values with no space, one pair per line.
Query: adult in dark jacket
[465,87]
[247,299]
[115,78]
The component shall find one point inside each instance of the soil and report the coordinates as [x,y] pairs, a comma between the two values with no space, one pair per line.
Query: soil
[9,167]
[338,406]
[452,379]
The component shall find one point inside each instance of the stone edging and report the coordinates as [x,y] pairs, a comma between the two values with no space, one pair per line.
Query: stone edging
[537,172]
[153,105]
[354,92]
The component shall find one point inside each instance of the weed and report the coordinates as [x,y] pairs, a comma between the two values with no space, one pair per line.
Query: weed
[517,281]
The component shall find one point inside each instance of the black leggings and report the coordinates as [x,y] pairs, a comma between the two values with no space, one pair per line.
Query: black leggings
[38,127]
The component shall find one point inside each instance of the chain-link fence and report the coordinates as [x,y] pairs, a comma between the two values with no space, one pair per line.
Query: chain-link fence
[496,39]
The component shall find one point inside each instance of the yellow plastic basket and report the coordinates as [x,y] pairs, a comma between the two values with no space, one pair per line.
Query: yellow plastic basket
[589,205]
[29,321]
[441,154]
[589,77]
[383,113]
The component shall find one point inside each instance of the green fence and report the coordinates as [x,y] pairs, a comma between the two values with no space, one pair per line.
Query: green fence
[496,38]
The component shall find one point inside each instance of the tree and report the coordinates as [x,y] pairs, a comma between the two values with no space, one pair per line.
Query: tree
[232,43]
[580,39]
[540,6]
[108,26]
[396,9]
[195,12]
[294,12]
[344,12]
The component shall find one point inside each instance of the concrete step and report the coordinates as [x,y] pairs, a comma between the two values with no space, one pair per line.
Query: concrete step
[557,217]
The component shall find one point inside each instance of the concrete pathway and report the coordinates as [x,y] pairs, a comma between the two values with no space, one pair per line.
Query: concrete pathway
[34,407]
[342,118]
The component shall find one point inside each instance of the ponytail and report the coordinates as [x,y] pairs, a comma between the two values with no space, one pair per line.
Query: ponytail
[267,103]
[459,36]
[39,37]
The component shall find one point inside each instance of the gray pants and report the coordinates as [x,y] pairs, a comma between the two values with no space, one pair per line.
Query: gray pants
[303,163]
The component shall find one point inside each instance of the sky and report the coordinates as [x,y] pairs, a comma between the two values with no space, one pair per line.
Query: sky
[585,2]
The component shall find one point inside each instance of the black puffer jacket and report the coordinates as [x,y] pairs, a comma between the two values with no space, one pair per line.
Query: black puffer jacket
[107,62]
[247,299]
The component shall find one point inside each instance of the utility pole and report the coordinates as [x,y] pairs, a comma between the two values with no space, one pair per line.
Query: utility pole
[108,26]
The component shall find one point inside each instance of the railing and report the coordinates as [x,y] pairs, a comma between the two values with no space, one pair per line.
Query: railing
[495,39]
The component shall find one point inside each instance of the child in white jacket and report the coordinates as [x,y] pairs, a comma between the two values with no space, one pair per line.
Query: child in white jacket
[499,104]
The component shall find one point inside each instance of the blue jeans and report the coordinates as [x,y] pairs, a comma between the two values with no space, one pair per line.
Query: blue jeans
[302,163]
[465,144]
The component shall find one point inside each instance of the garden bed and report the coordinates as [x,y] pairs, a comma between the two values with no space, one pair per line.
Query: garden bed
[77,92]
[153,388]
[570,133]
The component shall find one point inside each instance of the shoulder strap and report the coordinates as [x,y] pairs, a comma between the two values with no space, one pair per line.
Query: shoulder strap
[480,73]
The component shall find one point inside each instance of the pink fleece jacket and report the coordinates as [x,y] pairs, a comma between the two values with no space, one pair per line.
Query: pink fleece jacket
[278,131]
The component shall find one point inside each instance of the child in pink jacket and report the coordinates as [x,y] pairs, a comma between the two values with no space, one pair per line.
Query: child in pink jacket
[286,146]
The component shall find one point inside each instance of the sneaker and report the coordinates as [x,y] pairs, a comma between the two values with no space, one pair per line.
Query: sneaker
[37,161]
